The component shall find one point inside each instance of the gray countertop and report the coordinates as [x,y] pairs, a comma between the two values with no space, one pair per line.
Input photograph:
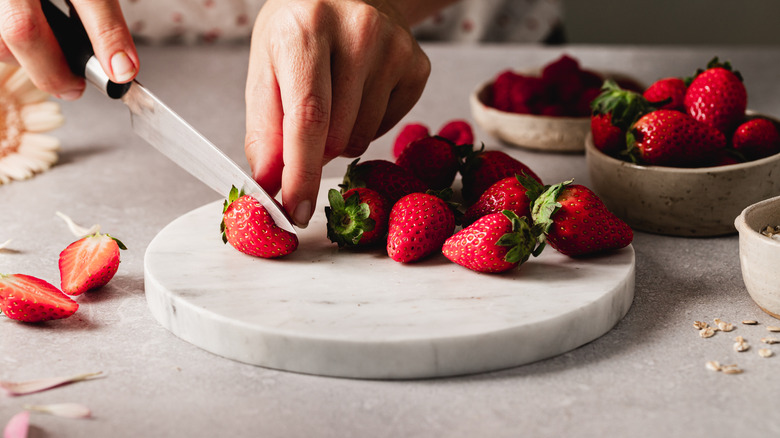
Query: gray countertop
[646,377]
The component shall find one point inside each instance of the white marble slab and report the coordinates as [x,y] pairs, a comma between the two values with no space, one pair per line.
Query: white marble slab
[336,312]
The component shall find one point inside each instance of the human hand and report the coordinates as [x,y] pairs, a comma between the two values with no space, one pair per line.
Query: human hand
[27,39]
[326,77]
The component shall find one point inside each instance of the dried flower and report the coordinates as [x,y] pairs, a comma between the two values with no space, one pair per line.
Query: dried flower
[25,113]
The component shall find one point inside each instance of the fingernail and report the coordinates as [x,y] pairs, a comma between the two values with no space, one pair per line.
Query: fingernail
[70,95]
[302,214]
[123,67]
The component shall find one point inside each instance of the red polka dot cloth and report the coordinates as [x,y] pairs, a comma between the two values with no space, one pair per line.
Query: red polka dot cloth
[210,21]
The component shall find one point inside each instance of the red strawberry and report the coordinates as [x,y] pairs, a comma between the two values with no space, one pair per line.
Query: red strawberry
[250,229]
[29,299]
[501,90]
[671,91]
[614,111]
[431,159]
[481,169]
[89,263]
[458,132]
[357,218]
[389,179]
[672,138]
[408,134]
[717,97]
[419,225]
[506,194]
[526,93]
[495,243]
[756,138]
[575,221]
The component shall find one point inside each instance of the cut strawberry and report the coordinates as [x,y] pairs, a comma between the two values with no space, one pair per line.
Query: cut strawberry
[89,263]
[29,299]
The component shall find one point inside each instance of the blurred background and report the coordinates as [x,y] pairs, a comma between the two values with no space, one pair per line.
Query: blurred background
[692,22]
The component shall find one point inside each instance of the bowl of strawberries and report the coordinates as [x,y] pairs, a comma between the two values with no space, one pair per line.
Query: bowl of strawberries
[684,157]
[545,109]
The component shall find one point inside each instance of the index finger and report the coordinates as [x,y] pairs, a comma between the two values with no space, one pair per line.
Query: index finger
[110,37]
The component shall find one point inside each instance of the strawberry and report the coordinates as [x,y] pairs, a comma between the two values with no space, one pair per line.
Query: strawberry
[29,299]
[408,134]
[250,229]
[614,110]
[495,243]
[458,132]
[756,138]
[667,93]
[419,225]
[481,169]
[356,218]
[501,90]
[575,221]
[433,160]
[506,194]
[89,263]
[389,179]
[717,97]
[672,138]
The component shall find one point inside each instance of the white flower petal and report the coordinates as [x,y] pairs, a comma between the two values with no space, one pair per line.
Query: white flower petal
[6,70]
[5,244]
[40,141]
[4,179]
[42,116]
[18,83]
[77,229]
[31,96]
[14,167]
[67,410]
[34,164]
[46,157]
[31,386]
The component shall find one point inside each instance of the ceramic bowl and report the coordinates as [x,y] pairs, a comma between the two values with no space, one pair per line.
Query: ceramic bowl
[681,201]
[543,133]
[759,255]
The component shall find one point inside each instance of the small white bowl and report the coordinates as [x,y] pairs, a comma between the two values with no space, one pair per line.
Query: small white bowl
[529,131]
[690,202]
[759,255]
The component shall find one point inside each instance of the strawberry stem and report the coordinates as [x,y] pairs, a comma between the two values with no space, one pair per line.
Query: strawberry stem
[347,218]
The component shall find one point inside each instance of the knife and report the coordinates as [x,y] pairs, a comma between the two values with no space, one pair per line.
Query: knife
[155,122]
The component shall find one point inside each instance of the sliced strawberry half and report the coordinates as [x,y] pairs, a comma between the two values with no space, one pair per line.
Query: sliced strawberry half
[89,263]
[29,299]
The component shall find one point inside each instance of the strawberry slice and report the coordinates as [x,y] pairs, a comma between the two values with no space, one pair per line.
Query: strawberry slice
[29,299]
[89,263]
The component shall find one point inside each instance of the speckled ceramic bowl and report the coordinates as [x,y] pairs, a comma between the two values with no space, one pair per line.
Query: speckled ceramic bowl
[759,255]
[681,201]
[543,133]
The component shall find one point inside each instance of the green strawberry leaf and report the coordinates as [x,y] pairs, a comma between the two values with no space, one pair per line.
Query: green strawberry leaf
[546,205]
[521,240]
[347,219]
[532,187]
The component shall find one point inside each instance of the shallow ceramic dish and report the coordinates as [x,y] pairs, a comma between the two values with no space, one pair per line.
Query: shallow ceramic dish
[759,255]
[681,201]
[543,133]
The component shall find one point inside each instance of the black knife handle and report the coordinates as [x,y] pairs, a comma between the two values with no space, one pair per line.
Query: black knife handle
[75,44]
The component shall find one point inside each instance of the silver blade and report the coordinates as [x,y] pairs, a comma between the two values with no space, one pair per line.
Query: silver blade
[177,140]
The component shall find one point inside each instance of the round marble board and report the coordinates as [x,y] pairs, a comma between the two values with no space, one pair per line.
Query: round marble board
[358,314]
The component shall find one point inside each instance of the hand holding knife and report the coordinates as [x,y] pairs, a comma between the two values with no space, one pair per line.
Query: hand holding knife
[155,122]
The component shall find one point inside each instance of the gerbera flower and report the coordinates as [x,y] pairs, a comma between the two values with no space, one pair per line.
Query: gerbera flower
[25,113]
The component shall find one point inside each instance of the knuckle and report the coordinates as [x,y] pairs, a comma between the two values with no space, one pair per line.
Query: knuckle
[18,27]
[311,112]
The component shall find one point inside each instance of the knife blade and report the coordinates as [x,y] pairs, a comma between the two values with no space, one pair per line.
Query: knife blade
[155,122]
